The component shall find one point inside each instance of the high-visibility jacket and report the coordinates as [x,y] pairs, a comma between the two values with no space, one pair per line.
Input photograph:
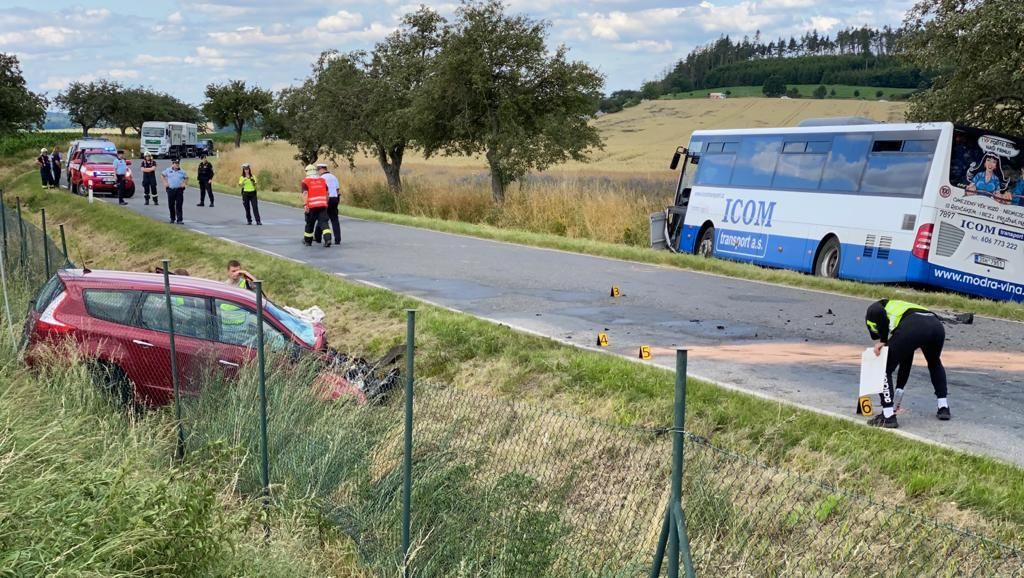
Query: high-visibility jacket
[883,317]
[316,192]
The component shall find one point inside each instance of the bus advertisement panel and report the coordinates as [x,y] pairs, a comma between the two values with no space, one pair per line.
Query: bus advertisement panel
[978,244]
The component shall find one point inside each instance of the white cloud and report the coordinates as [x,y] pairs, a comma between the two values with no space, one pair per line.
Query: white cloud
[122,73]
[219,10]
[249,35]
[737,18]
[822,23]
[49,36]
[207,57]
[645,46]
[614,25]
[340,22]
[58,83]
[149,59]
[175,18]
[787,4]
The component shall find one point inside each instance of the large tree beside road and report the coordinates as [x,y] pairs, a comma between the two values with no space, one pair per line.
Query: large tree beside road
[89,103]
[134,106]
[976,50]
[234,104]
[295,116]
[20,108]
[496,89]
[369,101]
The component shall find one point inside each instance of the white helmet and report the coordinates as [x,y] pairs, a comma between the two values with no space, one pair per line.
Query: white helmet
[310,171]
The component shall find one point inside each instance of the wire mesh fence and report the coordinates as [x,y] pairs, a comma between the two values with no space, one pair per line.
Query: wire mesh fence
[498,487]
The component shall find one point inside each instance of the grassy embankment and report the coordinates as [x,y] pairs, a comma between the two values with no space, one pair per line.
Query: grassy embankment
[88,492]
[600,208]
[806,91]
[968,491]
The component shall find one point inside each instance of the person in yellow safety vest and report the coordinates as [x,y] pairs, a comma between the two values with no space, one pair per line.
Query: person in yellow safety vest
[240,277]
[905,328]
[314,199]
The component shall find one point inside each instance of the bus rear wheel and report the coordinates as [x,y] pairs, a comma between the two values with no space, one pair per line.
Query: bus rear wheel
[827,263]
[706,243]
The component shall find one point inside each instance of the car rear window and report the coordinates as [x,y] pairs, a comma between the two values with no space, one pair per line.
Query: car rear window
[114,306]
[50,291]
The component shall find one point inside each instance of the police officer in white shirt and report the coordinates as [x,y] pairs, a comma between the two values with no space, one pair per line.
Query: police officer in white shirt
[333,199]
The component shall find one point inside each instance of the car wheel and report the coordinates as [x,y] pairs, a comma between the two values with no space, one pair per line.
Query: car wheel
[74,188]
[113,381]
[129,191]
[706,245]
[827,263]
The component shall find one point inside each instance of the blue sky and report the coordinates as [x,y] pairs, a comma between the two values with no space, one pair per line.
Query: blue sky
[179,46]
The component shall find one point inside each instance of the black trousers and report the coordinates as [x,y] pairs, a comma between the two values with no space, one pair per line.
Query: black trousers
[56,176]
[252,207]
[120,187]
[45,176]
[149,187]
[332,215]
[922,331]
[316,226]
[205,188]
[175,201]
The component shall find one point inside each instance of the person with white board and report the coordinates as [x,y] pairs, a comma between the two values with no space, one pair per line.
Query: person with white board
[904,328]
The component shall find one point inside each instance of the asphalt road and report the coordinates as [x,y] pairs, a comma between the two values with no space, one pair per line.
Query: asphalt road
[798,346]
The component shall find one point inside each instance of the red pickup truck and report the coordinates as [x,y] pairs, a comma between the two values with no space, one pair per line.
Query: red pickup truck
[94,168]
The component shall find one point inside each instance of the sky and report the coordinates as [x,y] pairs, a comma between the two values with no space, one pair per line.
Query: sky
[180,46]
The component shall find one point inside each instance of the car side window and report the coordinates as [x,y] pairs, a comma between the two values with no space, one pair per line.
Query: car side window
[191,315]
[236,325]
[113,306]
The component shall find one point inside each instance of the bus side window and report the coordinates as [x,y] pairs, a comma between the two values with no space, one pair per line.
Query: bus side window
[846,163]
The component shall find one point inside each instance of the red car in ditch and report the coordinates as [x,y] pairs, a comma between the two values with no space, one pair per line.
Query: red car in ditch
[94,168]
[118,321]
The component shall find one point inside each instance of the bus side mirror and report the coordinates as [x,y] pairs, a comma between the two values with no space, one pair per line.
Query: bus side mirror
[675,161]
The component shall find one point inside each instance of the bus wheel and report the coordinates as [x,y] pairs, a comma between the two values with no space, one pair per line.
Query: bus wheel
[706,244]
[827,263]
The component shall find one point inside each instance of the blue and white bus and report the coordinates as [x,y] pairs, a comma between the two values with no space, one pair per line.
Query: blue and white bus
[932,204]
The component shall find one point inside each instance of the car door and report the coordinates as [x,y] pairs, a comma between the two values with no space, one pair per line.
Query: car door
[236,336]
[194,346]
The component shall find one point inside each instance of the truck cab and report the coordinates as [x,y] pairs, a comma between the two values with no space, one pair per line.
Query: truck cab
[155,139]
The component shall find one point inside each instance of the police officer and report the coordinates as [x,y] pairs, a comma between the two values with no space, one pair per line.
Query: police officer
[149,179]
[205,176]
[175,181]
[314,199]
[333,199]
[55,167]
[905,328]
[45,169]
[120,170]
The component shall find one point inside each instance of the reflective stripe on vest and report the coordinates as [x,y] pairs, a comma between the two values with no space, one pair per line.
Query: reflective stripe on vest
[316,192]
[232,314]
[895,310]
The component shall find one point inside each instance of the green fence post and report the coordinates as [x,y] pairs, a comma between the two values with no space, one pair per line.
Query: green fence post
[23,256]
[3,221]
[410,350]
[673,530]
[46,245]
[264,452]
[180,450]
[64,246]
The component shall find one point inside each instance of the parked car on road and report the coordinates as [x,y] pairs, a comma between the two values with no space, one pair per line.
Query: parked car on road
[94,144]
[94,168]
[118,321]
[204,147]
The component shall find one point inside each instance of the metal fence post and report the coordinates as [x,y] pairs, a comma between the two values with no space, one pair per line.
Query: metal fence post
[673,530]
[7,302]
[180,450]
[264,452]
[46,245]
[64,246]
[3,221]
[23,255]
[410,350]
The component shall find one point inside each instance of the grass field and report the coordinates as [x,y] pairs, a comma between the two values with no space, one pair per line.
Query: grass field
[973,492]
[806,90]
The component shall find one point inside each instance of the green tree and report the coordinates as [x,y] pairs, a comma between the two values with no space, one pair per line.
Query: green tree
[497,90]
[296,117]
[20,108]
[372,101]
[879,94]
[89,104]
[856,93]
[235,104]
[774,86]
[133,106]
[974,49]
[821,91]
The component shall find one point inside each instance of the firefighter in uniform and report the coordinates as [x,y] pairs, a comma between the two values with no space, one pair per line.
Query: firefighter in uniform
[905,328]
[314,199]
